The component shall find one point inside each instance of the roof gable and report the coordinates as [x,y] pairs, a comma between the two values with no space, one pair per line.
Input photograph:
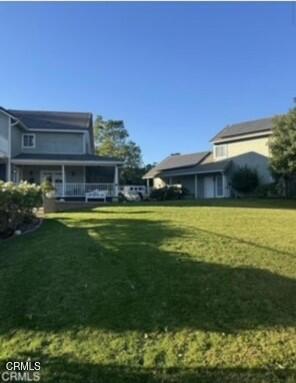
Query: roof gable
[244,128]
[176,162]
[42,120]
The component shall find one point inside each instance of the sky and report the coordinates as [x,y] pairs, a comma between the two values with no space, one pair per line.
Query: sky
[176,73]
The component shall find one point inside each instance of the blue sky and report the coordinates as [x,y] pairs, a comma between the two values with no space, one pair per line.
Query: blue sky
[176,73]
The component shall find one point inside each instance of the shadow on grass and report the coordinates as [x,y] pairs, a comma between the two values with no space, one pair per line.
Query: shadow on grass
[114,274]
[65,370]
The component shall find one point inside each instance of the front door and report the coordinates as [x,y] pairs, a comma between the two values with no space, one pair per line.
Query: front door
[209,187]
[56,178]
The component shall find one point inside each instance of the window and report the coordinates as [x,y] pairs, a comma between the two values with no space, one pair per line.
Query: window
[220,151]
[28,140]
[219,185]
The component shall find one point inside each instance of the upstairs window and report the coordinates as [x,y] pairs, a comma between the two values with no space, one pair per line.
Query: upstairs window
[28,141]
[220,151]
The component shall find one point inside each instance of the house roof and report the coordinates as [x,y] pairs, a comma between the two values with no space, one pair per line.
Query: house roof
[176,161]
[247,127]
[206,166]
[65,157]
[52,120]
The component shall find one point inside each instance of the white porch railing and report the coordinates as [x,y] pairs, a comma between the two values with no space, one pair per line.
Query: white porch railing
[79,189]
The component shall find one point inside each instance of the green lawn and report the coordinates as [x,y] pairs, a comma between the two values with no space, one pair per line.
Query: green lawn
[173,292]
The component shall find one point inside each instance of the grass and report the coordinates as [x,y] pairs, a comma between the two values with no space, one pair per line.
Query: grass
[172,292]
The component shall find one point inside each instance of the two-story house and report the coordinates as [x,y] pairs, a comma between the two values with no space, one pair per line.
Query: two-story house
[58,146]
[208,174]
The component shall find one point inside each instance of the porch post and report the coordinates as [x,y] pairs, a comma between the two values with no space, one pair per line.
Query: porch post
[116,184]
[224,185]
[148,186]
[63,178]
[195,187]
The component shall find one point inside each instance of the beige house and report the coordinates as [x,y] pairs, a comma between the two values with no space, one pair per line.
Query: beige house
[208,174]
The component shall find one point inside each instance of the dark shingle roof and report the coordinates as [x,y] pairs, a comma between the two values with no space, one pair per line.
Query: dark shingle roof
[176,162]
[52,120]
[248,127]
[204,167]
[64,157]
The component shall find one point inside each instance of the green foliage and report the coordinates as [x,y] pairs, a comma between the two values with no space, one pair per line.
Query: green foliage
[168,193]
[283,144]
[47,187]
[17,204]
[271,190]
[112,139]
[134,175]
[245,180]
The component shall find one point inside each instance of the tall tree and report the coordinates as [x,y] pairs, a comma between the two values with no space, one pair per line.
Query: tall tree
[112,139]
[283,146]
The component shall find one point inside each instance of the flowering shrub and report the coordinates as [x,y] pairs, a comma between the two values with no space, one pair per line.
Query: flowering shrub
[17,204]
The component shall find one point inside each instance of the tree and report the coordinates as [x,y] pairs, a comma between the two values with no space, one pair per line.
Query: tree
[112,139]
[245,180]
[283,145]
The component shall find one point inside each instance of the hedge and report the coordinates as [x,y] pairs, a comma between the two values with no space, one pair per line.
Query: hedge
[18,203]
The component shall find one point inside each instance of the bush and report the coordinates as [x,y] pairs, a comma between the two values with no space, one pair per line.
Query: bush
[271,190]
[245,180]
[17,204]
[168,193]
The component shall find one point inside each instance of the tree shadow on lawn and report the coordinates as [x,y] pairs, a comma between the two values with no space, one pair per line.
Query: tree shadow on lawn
[66,370]
[114,274]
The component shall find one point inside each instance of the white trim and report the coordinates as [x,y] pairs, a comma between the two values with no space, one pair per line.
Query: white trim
[34,141]
[17,121]
[8,114]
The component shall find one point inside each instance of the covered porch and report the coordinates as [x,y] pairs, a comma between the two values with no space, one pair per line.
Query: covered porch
[70,180]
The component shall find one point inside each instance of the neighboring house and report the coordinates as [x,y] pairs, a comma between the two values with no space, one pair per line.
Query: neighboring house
[208,174]
[57,146]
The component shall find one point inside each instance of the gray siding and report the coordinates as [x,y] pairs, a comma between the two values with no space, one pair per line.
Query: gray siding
[16,140]
[53,143]
[4,123]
